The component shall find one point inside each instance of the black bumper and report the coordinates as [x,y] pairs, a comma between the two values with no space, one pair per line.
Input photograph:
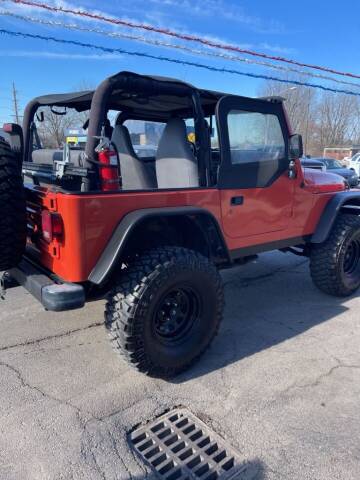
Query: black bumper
[54,296]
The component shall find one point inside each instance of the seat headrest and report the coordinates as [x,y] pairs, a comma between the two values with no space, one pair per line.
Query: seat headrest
[173,141]
[121,138]
[175,125]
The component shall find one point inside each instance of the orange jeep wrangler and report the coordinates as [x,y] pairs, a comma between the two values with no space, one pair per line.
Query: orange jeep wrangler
[149,227]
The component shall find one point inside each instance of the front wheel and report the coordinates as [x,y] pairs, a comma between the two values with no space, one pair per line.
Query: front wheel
[164,310]
[335,264]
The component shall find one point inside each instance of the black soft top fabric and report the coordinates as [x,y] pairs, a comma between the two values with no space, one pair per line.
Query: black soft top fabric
[142,94]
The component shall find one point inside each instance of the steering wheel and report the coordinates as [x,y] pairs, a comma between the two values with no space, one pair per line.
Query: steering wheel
[193,148]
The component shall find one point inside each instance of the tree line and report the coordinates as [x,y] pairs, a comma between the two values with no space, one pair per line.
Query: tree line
[323,118]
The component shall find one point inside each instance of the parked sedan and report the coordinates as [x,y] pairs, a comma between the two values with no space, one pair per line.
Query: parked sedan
[313,163]
[145,151]
[335,166]
[354,163]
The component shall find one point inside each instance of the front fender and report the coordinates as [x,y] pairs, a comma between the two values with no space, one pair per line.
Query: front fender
[348,199]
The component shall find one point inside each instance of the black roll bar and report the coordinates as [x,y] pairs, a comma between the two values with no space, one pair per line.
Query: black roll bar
[129,83]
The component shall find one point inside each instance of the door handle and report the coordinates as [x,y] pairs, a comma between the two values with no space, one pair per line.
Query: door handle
[237,200]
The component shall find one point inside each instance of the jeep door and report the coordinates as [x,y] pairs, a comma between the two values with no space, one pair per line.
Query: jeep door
[255,189]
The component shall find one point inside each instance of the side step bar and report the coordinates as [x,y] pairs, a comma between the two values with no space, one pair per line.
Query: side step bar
[56,297]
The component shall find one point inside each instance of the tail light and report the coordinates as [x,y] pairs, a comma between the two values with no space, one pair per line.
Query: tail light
[52,226]
[108,169]
[8,127]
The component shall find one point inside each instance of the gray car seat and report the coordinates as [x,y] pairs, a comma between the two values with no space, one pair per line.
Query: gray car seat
[136,174]
[176,165]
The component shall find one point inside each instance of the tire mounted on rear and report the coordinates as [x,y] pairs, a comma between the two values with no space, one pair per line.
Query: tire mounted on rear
[12,209]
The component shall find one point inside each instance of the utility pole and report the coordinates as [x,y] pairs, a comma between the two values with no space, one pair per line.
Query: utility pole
[307,122]
[15,102]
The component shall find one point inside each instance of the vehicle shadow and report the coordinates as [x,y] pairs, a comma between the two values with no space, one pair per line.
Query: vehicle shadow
[264,307]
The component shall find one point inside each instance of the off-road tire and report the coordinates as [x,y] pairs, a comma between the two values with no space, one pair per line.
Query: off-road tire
[12,209]
[133,309]
[329,260]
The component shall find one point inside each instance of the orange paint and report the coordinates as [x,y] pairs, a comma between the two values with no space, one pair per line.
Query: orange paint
[288,208]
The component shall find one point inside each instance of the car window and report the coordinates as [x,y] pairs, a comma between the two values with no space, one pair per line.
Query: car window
[214,136]
[145,136]
[57,126]
[333,164]
[255,136]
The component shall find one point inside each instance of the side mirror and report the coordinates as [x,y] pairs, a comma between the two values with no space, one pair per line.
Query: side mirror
[296,147]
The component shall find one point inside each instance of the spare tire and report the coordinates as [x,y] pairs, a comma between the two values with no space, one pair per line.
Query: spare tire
[12,209]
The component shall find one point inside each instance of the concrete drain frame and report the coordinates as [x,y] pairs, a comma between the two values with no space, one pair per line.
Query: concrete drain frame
[179,446]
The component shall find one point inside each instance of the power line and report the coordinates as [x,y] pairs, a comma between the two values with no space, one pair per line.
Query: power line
[207,53]
[175,34]
[174,60]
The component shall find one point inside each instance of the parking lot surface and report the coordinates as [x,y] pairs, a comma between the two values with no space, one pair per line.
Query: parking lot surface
[281,383]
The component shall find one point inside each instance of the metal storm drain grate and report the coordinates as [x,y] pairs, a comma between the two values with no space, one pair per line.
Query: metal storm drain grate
[179,446]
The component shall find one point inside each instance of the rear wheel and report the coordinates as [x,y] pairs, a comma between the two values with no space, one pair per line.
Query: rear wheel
[164,310]
[335,264]
[12,209]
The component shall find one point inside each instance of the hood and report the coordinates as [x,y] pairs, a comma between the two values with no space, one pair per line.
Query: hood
[344,172]
[322,182]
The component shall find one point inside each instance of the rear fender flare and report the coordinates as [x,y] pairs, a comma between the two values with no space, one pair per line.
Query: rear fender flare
[342,201]
[122,234]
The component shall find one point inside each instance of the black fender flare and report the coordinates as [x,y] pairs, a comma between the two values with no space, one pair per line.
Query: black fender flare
[342,200]
[113,250]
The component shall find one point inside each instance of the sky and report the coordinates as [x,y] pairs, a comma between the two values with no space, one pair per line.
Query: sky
[310,31]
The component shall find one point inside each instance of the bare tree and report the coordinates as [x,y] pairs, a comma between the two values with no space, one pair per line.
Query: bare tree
[52,130]
[52,127]
[335,118]
[323,119]
[300,104]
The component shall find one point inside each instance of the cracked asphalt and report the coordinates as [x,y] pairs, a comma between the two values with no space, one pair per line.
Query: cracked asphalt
[281,383]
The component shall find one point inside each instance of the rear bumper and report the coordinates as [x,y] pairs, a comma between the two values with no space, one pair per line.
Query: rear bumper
[54,296]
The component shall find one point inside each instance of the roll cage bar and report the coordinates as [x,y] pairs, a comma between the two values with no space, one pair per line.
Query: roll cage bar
[122,91]
[139,97]
[99,109]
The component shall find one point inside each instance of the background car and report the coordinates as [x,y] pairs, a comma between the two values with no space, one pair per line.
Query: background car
[335,166]
[145,151]
[313,163]
[354,163]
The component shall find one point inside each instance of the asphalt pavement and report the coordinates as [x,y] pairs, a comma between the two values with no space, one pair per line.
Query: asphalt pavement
[281,383]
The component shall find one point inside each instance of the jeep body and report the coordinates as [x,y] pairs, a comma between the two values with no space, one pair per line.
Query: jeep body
[250,193]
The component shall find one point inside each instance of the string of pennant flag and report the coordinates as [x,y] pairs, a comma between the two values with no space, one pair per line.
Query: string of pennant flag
[175,34]
[160,43]
[172,60]
[215,49]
